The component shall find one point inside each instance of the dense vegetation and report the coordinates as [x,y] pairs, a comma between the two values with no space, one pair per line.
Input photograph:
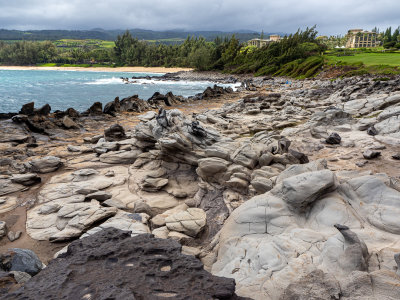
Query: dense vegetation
[391,40]
[225,54]
[299,55]
[228,55]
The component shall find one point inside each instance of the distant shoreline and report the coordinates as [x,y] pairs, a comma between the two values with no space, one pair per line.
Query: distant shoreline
[100,69]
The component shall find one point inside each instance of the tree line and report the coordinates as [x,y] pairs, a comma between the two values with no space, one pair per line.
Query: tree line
[225,54]
[391,40]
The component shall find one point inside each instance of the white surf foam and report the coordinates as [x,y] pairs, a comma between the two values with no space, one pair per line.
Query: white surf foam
[144,82]
[103,81]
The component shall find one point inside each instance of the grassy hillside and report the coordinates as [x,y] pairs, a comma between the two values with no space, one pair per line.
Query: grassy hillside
[167,37]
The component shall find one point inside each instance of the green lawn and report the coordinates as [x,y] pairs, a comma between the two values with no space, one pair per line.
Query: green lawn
[368,59]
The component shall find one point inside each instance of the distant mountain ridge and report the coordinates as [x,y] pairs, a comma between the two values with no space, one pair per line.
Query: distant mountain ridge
[111,35]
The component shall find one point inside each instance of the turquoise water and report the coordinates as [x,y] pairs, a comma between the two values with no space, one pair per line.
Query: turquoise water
[80,89]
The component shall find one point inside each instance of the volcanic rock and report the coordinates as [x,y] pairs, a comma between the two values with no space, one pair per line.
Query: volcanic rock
[72,113]
[115,133]
[120,157]
[26,179]
[44,110]
[134,104]
[69,123]
[313,286]
[96,109]
[112,107]
[13,236]
[28,109]
[372,131]
[22,260]
[45,164]
[370,154]
[333,139]
[118,266]
[303,189]
[189,222]
[99,196]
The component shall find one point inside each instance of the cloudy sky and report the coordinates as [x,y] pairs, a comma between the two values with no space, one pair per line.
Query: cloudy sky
[330,16]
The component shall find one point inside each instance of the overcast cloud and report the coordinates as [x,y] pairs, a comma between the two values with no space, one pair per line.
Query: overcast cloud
[331,17]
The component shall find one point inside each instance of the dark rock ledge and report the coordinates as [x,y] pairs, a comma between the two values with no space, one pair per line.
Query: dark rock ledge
[113,265]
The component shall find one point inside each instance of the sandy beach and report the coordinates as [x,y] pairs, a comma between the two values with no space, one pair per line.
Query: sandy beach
[100,69]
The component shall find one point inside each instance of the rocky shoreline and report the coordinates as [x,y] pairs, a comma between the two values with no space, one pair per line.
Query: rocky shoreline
[289,188]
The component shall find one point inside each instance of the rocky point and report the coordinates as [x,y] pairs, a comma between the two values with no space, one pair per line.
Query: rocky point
[275,191]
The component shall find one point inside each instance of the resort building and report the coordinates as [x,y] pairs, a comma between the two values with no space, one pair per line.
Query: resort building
[263,42]
[358,38]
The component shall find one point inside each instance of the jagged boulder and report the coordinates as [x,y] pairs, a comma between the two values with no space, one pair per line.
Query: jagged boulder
[44,110]
[134,104]
[112,107]
[95,109]
[28,109]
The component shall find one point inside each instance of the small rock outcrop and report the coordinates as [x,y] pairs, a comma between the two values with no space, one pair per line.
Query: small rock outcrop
[115,133]
[22,260]
[45,164]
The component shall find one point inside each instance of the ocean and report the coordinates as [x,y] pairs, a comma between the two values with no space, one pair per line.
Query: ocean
[80,89]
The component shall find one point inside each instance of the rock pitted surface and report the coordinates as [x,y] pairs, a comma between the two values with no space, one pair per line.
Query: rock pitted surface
[113,265]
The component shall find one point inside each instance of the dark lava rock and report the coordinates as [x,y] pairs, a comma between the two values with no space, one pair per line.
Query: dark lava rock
[115,133]
[333,139]
[372,131]
[35,127]
[303,159]
[169,99]
[22,260]
[113,265]
[19,118]
[44,110]
[72,113]
[7,116]
[112,107]
[96,109]
[28,109]
[134,104]
[396,156]
[369,154]
[162,118]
